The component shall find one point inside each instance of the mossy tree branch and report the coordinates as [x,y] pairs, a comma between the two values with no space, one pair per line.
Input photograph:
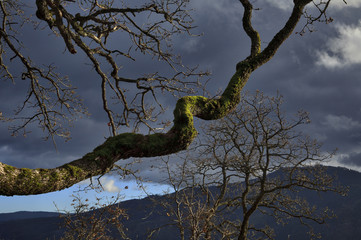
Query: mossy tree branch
[248,28]
[23,181]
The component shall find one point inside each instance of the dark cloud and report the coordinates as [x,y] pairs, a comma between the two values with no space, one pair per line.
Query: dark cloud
[354,159]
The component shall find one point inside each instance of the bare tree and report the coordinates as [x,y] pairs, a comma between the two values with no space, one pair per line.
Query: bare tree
[87,27]
[254,161]
[100,220]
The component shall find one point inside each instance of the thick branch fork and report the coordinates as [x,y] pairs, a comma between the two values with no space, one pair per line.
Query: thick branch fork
[24,181]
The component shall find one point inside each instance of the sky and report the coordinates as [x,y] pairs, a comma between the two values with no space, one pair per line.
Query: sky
[319,72]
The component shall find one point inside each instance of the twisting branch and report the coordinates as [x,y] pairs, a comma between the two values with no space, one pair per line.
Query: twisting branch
[248,28]
[282,35]
[99,22]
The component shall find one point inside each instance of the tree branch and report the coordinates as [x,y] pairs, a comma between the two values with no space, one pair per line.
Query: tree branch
[248,28]
[280,37]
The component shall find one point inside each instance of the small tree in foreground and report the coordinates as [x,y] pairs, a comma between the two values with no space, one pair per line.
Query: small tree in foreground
[91,221]
[254,161]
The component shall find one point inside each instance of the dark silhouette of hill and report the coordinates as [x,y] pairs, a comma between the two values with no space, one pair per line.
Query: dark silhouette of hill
[145,215]
[31,228]
[25,215]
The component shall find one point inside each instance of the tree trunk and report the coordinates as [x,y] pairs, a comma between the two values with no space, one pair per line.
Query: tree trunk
[244,230]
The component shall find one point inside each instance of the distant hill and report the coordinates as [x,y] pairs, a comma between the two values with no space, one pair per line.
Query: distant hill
[4,217]
[38,227]
[144,215]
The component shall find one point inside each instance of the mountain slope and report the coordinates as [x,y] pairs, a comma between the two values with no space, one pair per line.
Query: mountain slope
[145,216]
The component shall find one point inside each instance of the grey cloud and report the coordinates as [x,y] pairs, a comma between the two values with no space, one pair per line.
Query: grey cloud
[340,123]
[353,159]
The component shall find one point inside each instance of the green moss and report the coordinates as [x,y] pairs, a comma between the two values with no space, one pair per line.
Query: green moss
[73,170]
[209,109]
[231,96]
[183,115]
[8,168]
[258,37]
[25,173]
[40,181]
[233,88]
[30,181]
[124,140]
[154,142]
[114,145]
[54,176]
